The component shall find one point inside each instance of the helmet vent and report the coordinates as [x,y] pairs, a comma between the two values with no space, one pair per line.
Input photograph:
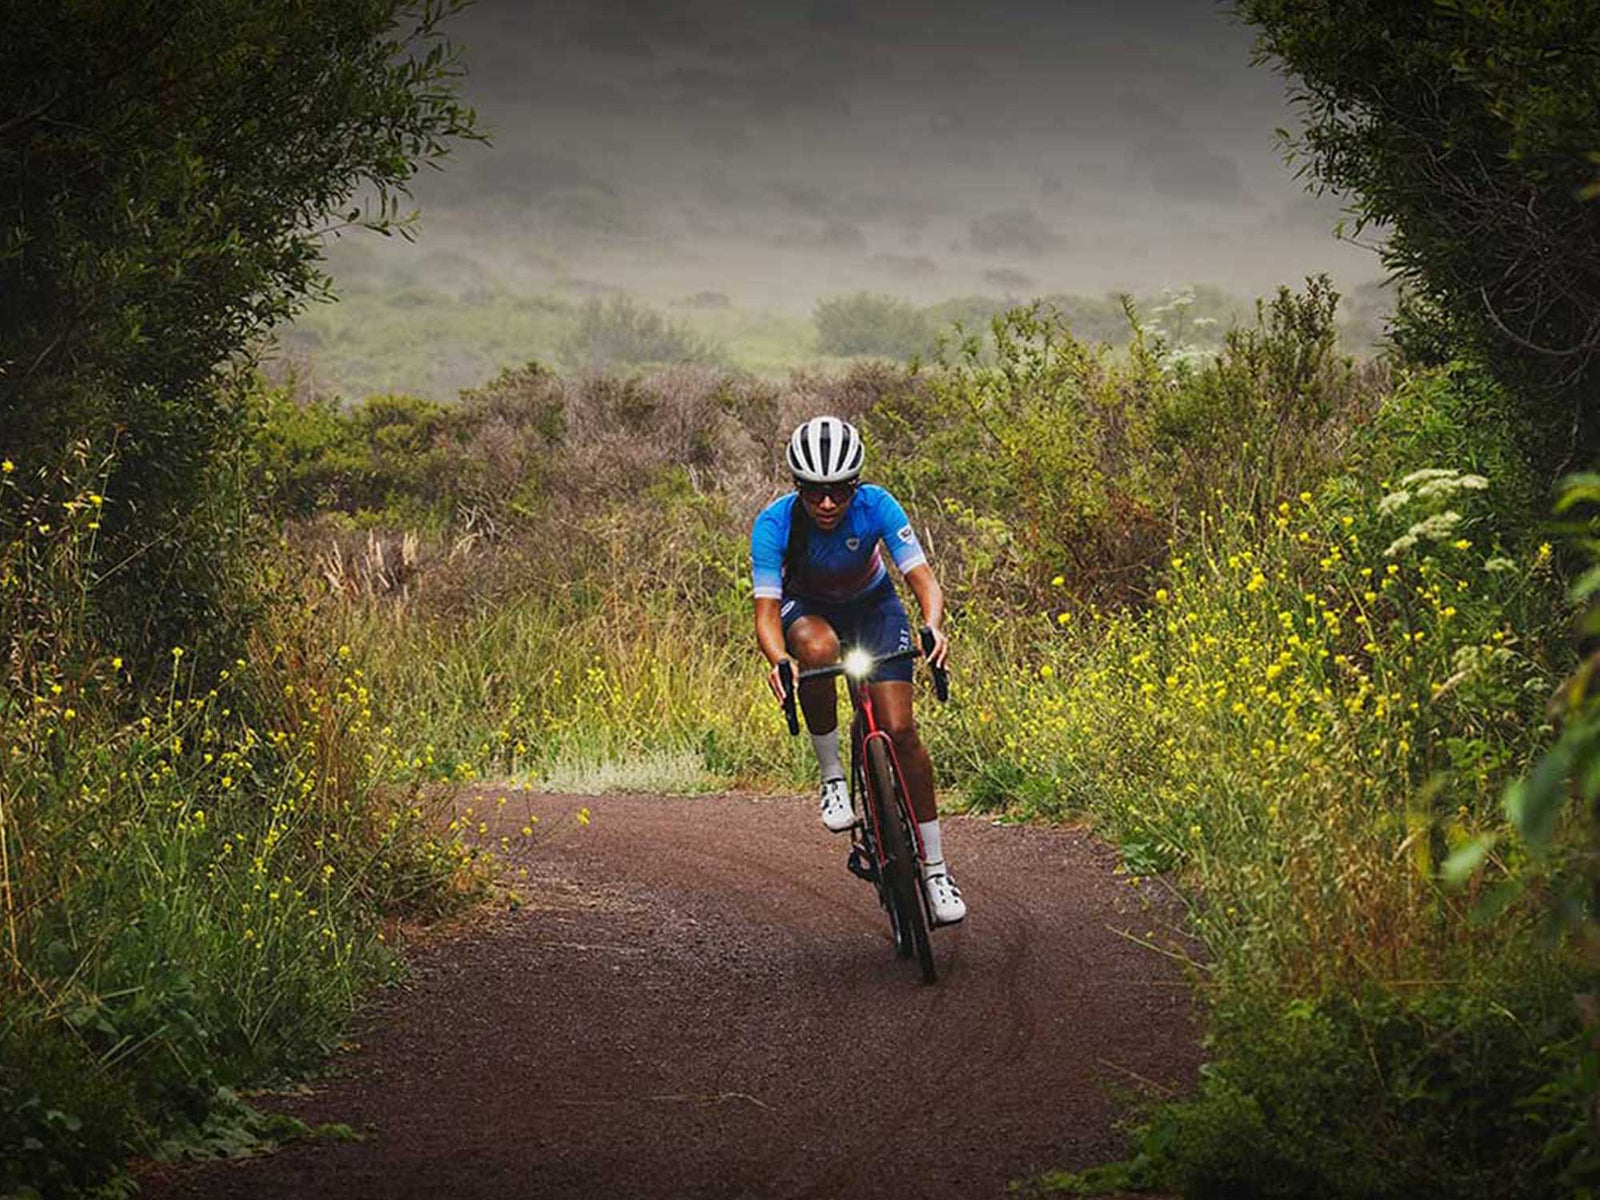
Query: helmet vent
[825,450]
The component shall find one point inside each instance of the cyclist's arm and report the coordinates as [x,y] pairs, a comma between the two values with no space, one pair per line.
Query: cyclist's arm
[767,545]
[930,599]
[769,630]
[769,636]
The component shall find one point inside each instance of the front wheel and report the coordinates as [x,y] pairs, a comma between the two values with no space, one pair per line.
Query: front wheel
[900,867]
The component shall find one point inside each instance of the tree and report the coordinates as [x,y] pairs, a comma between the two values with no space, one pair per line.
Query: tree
[1470,129]
[167,171]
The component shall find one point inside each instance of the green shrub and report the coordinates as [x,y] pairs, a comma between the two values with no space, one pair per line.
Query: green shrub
[869,324]
[1459,416]
[1256,422]
[1370,1095]
[622,332]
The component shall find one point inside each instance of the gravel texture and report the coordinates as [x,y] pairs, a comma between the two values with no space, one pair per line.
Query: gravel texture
[698,1001]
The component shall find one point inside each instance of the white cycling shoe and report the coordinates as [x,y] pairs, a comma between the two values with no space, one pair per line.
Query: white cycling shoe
[945,904]
[837,815]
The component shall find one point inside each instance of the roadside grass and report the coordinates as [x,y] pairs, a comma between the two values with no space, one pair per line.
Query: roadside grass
[556,694]
[194,866]
[668,772]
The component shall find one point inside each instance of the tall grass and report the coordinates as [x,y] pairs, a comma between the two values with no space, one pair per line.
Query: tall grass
[540,692]
[1316,710]
[194,865]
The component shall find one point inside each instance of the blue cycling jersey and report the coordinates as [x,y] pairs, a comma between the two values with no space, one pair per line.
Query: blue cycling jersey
[841,564]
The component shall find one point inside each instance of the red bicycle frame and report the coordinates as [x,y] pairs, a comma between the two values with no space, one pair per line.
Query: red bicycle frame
[864,729]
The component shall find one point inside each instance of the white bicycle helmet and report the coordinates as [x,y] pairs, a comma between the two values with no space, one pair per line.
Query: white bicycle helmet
[825,450]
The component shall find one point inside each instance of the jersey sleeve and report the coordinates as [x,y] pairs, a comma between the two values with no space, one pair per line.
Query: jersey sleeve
[769,538]
[895,529]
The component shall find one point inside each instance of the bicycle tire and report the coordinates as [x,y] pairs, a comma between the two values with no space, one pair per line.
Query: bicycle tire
[905,883]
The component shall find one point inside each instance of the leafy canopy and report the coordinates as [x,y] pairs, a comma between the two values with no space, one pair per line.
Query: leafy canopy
[1470,129]
[167,172]
[166,169]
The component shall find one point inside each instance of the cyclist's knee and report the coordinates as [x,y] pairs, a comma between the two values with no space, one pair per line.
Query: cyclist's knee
[904,735]
[813,645]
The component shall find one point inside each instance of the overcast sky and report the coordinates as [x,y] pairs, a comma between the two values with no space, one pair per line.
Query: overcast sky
[781,151]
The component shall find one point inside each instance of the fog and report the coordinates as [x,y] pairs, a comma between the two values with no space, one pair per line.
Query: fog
[779,152]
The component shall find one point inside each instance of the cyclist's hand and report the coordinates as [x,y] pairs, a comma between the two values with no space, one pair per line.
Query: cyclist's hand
[775,680]
[941,648]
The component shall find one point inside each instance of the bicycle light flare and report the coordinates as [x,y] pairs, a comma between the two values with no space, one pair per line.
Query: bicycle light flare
[821,586]
[857,663]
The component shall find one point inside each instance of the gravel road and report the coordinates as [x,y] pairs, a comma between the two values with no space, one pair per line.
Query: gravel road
[698,1001]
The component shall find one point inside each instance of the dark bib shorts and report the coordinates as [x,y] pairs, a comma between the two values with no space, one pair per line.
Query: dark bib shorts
[875,622]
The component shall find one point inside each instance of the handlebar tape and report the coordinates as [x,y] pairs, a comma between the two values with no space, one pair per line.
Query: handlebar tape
[941,677]
[786,676]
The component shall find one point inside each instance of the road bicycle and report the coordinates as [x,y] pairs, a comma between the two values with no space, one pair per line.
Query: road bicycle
[885,846]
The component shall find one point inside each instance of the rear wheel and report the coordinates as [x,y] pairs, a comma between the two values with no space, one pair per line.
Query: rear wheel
[900,869]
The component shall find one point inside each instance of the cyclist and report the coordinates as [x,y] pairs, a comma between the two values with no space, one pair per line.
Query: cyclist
[819,581]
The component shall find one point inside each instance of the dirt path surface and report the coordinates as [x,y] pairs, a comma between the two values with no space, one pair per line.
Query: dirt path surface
[700,1002]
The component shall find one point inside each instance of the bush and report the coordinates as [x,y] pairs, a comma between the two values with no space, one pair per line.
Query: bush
[1424,1086]
[1257,421]
[621,332]
[135,271]
[869,324]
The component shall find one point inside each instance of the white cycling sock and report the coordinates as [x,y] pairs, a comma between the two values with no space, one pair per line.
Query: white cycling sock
[932,852]
[827,748]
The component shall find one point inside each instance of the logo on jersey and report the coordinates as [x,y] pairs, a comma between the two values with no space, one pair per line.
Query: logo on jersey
[852,543]
[905,535]
[786,609]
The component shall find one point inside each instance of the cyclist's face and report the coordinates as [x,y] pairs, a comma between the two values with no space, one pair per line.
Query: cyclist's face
[826,502]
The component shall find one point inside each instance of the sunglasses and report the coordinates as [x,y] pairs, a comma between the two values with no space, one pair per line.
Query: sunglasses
[837,492]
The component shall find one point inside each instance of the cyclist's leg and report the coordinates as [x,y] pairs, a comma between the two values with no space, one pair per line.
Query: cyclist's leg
[881,627]
[891,701]
[813,643]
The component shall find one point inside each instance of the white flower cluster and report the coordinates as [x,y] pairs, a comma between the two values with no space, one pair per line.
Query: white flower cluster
[1393,501]
[1435,484]
[1430,529]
